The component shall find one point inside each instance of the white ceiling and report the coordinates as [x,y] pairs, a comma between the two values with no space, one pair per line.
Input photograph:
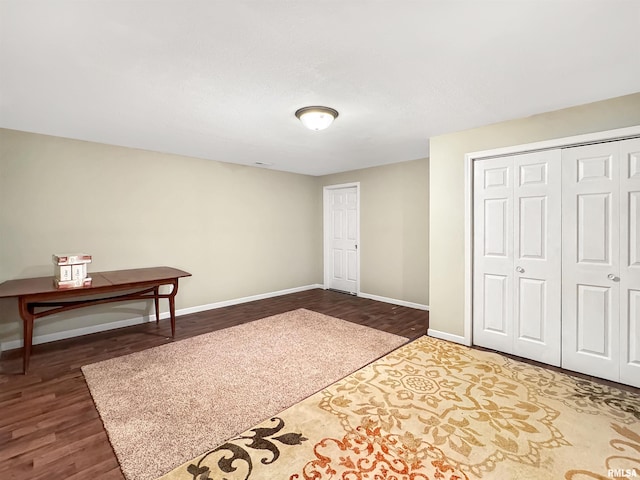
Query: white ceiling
[221,80]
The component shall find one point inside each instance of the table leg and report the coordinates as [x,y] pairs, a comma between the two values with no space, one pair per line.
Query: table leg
[156,292]
[172,306]
[26,312]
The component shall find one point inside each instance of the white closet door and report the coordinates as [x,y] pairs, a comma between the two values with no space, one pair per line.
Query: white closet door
[493,254]
[630,262]
[590,260]
[537,254]
[517,262]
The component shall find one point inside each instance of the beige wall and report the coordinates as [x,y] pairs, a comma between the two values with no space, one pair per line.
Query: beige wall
[447,188]
[394,229]
[239,230]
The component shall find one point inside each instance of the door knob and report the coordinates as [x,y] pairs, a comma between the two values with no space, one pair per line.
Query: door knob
[519,269]
[611,276]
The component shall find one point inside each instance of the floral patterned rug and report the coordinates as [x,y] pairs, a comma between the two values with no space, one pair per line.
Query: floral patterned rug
[437,410]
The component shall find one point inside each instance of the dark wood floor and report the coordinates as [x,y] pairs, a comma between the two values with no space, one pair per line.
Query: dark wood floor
[49,427]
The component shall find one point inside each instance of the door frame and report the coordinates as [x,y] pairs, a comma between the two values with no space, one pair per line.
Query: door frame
[469,158]
[326,227]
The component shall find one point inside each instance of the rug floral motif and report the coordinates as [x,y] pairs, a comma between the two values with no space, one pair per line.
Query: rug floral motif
[434,410]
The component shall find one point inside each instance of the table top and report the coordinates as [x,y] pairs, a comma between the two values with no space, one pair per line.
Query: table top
[99,281]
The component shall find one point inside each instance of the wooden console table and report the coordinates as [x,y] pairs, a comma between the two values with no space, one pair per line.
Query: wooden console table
[41,293]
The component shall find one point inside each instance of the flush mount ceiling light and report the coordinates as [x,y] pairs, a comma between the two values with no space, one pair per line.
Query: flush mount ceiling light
[316,118]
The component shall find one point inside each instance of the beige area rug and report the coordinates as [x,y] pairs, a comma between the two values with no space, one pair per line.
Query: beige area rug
[434,410]
[163,406]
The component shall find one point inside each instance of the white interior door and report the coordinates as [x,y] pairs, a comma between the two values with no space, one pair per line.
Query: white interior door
[537,255]
[591,260]
[517,263]
[493,266]
[630,262]
[341,239]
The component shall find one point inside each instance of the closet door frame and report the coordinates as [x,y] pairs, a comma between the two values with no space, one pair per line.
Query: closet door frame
[470,158]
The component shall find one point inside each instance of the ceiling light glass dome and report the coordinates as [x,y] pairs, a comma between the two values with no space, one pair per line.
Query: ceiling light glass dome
[317,118]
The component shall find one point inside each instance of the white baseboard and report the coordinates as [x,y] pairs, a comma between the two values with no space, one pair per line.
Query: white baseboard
[393,301]
[77,332]
[52,337]
[237,301]
[447,336]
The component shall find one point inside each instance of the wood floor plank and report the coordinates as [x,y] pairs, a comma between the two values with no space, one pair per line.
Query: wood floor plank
[26,444]
[56,420]
[69,450]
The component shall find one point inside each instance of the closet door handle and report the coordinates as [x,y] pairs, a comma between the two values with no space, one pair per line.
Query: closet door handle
[611,276]
[519,269]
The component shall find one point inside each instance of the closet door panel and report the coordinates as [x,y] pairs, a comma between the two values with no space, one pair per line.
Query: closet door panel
[590,260]
[630,262]
[532,310]
[537,256]
[594,229]
[594,316]
[493,254]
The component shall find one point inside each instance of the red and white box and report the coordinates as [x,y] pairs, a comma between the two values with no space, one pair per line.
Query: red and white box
[62,284]
[71,270]
[63,273]
[78,270]
[71,258]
